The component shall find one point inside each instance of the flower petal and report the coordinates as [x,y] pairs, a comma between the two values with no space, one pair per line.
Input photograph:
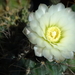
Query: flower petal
[27,31]
[57,54]
[67,54]
[38,51]
[54,8]
[47,45]
[36,28]
[32,37]
[47,54]
[41,10]
[41,42]
[31,17]
[43,7]
[44,21]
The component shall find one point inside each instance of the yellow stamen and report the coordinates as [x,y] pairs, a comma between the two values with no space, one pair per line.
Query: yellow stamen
[53,34]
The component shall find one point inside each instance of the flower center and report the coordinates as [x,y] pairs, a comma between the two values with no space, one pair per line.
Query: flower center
[53,34]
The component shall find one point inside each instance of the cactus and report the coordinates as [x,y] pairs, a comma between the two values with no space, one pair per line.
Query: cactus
[29,67]
[13,5]
[9,13]
[55,1]
[73,7]
[11,36]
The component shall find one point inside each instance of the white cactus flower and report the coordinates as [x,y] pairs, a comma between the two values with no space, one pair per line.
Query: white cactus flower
[52,31]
